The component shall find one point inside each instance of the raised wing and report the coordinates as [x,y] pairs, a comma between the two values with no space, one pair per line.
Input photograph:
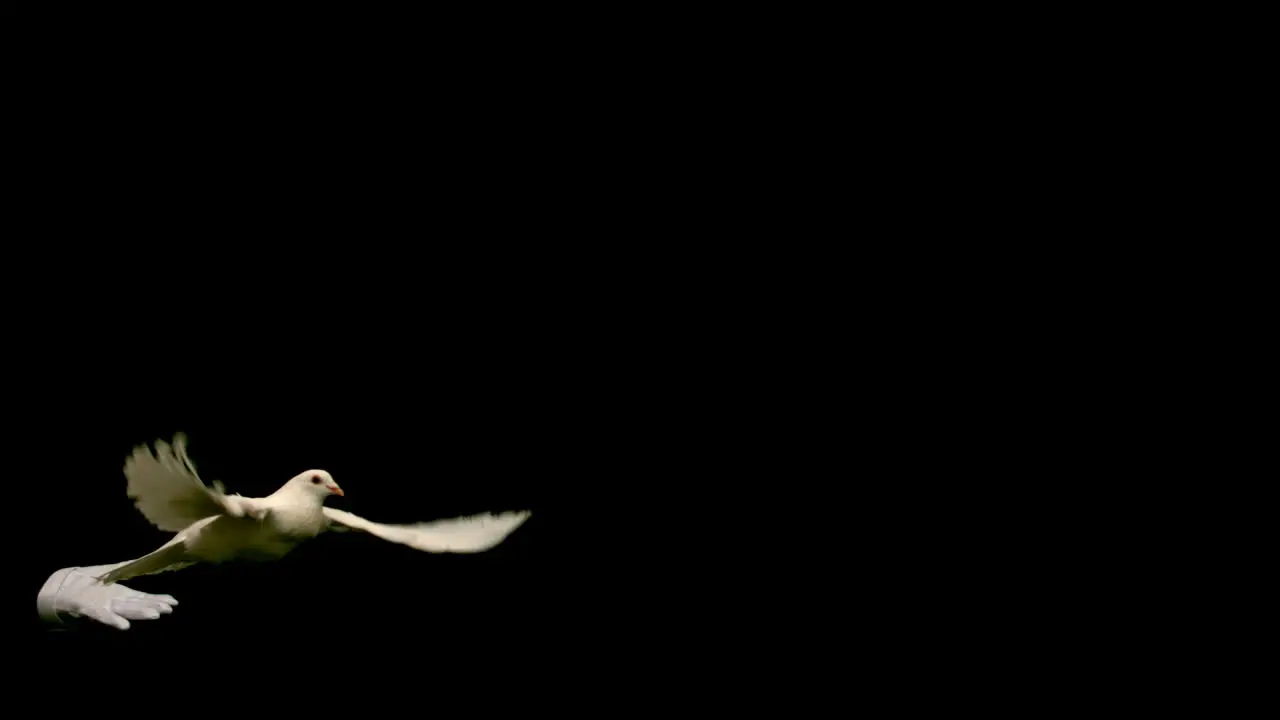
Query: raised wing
[166,489]
[475,533]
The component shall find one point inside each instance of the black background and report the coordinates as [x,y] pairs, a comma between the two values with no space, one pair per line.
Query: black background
[447,305]
[415,424]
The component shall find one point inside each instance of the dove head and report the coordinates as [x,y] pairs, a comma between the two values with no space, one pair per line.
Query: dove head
[315,483]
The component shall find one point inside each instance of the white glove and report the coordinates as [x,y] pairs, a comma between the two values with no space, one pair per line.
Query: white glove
[76,592]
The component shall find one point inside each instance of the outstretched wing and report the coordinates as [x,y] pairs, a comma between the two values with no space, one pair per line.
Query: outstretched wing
[167,558]
[475,533]
[166,489]
[170,556]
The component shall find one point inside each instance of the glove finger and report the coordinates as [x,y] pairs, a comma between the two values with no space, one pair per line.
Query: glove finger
[138,613]
[149,599]
[106,617]
[137,609]
[154,602]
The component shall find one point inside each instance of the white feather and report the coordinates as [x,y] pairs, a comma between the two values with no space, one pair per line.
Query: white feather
[166,488]
[475,533]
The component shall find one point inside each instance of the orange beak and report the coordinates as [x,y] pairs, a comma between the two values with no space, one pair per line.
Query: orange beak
[336,490]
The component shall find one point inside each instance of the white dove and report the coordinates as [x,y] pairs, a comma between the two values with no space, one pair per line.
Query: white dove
[214,527]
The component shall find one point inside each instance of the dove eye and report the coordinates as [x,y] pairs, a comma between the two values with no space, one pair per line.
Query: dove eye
[315,479]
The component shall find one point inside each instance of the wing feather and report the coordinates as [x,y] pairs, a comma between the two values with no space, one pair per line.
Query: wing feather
[166,489]
[171,556]
[475,533]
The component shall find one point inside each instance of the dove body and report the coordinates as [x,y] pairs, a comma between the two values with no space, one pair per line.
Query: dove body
[269,527]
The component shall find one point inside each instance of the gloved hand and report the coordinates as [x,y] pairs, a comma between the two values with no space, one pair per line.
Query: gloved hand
[76,592]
